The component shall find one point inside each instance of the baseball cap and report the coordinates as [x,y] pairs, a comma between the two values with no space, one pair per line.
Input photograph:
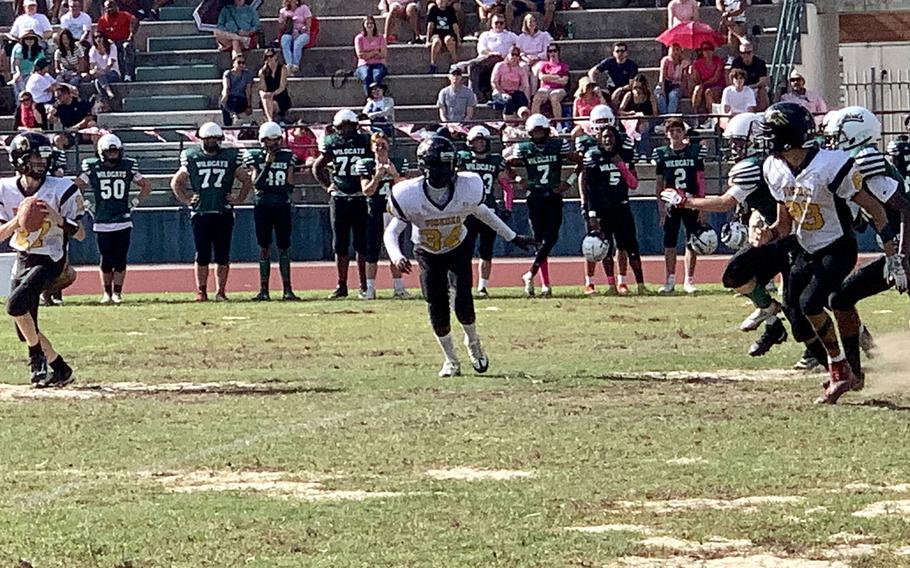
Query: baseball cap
[796,75]
[30,3]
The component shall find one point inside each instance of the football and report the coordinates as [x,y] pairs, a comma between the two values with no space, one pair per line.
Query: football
[31,213]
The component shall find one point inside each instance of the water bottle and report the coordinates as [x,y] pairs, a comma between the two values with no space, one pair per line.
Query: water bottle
[570,30]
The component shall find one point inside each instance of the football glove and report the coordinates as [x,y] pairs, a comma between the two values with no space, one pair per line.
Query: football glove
[525,243]
[674,197]
[894,272]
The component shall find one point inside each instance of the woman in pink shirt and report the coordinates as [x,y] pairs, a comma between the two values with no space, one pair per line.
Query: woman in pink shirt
[371,50]
[681,12]
[674,76]
[553,75]
[533,43]
[510,84]
[294,23]
[708,79]
[587,96]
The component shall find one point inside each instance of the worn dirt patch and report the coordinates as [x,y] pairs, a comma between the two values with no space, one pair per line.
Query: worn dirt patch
[87,391]
[751,561]
[746,504]
[726,375]
[272,483]
[711,545]
[473,474]
[687,461]
[884,509]
[601,529]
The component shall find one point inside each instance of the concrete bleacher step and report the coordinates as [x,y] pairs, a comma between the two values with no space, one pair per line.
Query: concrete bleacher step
[176,13]
[181,43]
[184,72]
[154,103]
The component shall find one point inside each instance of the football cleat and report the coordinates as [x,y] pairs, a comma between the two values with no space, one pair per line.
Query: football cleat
[202,296]
[368,294]
[61,379]
[479,359]
[667,288]
[807,363]
[289,296]
[774,334]
[546,292]
[590,290]
[401,294]
[221,297]
[117,298]
[262,296]
[759,316]
[38,367]
[611,290]
[528,279]
[643,290]
[842,381]
[690,288]
[450,369]
[105,299]
[867,343]
[623,289]
[482,293]
[340,292]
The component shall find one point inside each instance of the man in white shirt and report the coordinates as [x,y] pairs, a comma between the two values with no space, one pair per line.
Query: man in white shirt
[492,47]
[40,83]
[31,20]
[737,98]
[79,23]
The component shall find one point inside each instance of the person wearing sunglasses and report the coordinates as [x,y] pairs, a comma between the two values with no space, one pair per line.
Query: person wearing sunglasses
[553,77]
[799,94]
[492,47]
[620,70]
[756,73]
[236,91]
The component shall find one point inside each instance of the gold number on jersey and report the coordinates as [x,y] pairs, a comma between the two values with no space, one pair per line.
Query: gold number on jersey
[22,236]
[808,218]
[432,239]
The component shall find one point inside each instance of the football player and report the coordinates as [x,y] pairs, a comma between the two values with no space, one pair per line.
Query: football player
[107,180]
[604,190]
[490,166]
[543,157]
[680,166]
[40,252]
[856,130]
[377,176]
[339,152]
[210,172]
[899,150]
[437,204]
[812,187]
[751,268]
[271,168]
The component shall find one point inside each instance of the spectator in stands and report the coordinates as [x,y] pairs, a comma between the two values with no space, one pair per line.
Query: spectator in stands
[25,54]
[401,10]
[737,98]
[442,30]
[78,24]
[587,96]
[104,68]
[236,91]
[518,7]
[120,27]
[708,79]
[681,12]
[33,21]
[459,14]
[273,87]
[492,47]
[41,83]
[756,73]
[620,70]
[640,102]
[70,59]
[29,114]
[798,93]
[456,102]
[553,77]
[294,23]
[371,51]
[733,19]
[380,109]
[533,43]
[511,86]
[72,112]
[674,75]
[486,9]
[237,24]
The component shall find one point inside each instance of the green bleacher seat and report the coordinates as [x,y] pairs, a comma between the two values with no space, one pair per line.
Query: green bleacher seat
[176,13]
[201,42]
[158,104]
[180,72]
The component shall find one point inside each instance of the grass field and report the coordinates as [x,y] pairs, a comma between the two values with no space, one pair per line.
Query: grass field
[318,435]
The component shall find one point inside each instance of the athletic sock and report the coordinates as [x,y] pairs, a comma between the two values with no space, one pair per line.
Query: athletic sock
[620,279]
[204,288]
[108,289]
[589,280]
[265,269]
[611,281]
[690,280]
[851,352]
[398,284]
[470,331]
[545,274]
[34,351]
[448,347]
[817,350]
[284,267]
[118,288]
[671,280]
[482,283]
[760,297]
[371,285]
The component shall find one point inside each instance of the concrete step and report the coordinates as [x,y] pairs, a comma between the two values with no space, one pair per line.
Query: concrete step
[152,103]
[176,13]
[185,72]
[181,43]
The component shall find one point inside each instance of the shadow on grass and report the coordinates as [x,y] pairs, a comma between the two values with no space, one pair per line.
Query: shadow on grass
[879,403]
[265,389]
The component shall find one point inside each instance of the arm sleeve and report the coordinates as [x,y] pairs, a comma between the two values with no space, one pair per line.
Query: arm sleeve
[628,175]
[486,216]
[391,236]
[508,191]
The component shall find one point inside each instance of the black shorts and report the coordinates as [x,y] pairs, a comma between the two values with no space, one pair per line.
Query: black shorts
[376,209]
[113,248]
[761,263]
[33,274]
[865,282]
[517,100]
[675,218]
[273,218]
[479,231]
[618,224]
[349,217]
[213,232]
[437,271]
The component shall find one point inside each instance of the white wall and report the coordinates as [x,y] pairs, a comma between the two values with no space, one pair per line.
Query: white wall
[891,63]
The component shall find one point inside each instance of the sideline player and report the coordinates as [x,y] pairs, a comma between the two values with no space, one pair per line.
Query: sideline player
[437,204]
[680,166]
[489,165]
[339,152]
[604,190]
[812,187]
[377,176]
[108,178]
[40,253]
[543,157]
[272,171]
[210,172]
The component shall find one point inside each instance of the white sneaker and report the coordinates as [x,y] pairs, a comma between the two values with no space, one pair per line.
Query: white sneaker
[667,288]
[478,358]
[450,369]
[690,288]
[105,299]
[128,78]
[758,317]
[401,294]
[117,298]
[369,295]
[528,279]
[546,292]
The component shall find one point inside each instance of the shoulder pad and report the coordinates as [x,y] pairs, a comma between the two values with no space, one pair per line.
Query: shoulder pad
[870,162]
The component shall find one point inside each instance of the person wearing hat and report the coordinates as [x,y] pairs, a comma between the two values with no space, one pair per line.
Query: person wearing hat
[799,94]
[380,109]
[32,21]
[23,57]
[456,101]
[29,114]
[41,84]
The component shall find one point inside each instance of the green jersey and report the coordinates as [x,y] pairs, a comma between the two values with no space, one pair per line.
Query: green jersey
[488,167]
[343,154]
[270,180]
[679,168]
[871,164]
[366,168]
[109,189]
[211,177]
[627,152]
[544,163]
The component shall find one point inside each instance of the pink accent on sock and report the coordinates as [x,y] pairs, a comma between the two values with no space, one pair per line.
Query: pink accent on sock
[611,281]
[545,273]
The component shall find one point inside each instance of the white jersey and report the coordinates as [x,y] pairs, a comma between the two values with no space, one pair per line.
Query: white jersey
[439,229]
[872,166]
[817,196]
[61,195]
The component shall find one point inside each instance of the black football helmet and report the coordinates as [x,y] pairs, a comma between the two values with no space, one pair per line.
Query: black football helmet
[786,126]
[437,161]
[29,144]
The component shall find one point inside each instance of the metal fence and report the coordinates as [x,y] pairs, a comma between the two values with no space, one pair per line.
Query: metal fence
[885,93]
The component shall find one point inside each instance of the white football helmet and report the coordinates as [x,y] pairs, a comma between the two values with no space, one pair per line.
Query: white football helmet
[704,241]
[594,248]
[210,130]
[601,116]
[344,115]
[853,127]
[734,235]
[537,121]
[270,130]
[741,135]
[478,132]
[109,142]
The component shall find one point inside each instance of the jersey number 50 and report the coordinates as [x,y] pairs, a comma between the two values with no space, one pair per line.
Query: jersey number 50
[115,188]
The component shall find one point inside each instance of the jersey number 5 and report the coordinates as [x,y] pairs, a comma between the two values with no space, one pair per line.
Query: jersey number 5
[432,239]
